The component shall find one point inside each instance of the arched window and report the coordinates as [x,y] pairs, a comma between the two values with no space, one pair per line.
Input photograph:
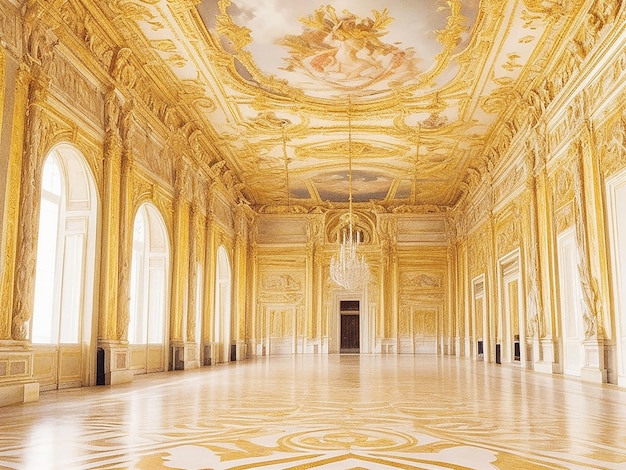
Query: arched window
[199,301]
[148,278]
[64,281]
[222,303]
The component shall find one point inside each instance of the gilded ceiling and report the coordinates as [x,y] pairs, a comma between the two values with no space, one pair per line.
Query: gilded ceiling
[407,91]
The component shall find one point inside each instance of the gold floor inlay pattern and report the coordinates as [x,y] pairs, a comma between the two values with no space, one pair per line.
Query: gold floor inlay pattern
[325,412]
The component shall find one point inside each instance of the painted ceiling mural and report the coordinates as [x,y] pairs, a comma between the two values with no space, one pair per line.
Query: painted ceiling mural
[408,91]
[348,47]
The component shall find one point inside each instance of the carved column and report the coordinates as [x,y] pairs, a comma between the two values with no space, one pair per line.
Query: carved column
[315,282]
[191,356]
[464,280]
[255,348]
[239,282]
[112,169]
[208,332]
[540,345]
[451,333]
[114,287]
[494,340]
[588,261]
[119,230]
[30,139]
[180,278]
[126,224]
[30,195]
[389,285]
[12,193]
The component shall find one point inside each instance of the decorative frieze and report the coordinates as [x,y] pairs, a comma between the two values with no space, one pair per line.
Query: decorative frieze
[9,24]
[508,235]
[76,89]
[613,144]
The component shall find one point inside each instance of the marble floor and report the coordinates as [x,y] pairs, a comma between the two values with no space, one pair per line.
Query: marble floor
[324,412]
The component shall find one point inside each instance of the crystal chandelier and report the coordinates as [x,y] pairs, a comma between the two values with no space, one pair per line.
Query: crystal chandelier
[346,268]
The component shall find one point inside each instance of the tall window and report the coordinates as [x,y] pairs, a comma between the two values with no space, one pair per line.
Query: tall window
[148,279]
[199,301]
[222,302]
[65,250]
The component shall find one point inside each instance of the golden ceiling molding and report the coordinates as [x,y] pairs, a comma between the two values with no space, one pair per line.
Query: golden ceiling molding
[10,27]
[275,89]
[239,37]
[359,149]
[101,35]
[549,84]
[613,144]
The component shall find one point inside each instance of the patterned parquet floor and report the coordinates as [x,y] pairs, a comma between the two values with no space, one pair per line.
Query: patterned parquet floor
[325,412]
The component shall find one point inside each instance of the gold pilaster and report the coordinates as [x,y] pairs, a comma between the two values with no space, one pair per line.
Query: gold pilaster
[126,219]
[450,333]
[254,340]
[180,283]
[239,281]
[208,332]
[194,223]
[29,207]
[111,207]
[12,190]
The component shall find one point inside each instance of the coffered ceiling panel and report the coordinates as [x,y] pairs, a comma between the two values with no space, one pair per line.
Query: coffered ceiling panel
[407,91]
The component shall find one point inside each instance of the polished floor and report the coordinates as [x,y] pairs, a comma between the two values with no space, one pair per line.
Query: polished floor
[325,412]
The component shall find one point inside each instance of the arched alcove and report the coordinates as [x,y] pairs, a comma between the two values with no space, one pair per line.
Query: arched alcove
[149,291]
[223,293]
[63,323]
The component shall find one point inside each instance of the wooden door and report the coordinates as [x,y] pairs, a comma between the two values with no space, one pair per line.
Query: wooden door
[350,333]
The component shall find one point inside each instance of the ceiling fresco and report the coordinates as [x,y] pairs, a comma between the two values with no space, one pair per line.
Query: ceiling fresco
[346,47]
[406,91]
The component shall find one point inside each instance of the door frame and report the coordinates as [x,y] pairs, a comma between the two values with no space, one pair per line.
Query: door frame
[478,286]
[617,256]
[349,313]
[509,268]
[366,327]
[570,295]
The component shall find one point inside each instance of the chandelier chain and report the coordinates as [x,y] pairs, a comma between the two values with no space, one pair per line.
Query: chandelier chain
[346,268]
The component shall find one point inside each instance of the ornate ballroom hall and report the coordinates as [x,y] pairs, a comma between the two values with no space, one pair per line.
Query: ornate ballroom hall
[360,234]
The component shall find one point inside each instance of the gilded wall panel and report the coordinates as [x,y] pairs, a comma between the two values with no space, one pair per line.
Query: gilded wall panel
[86,29]
[421,280]
[508,233]
[9,24]
[511,181]
[423,284]
[145,190]
[222,213]
[477,250]
[564,217]
[425,322]
[57,129]
[272,230]
[562,185]
[151,154]
[75,88]
[421,229]
[280,287]
[612,140]
[281,323]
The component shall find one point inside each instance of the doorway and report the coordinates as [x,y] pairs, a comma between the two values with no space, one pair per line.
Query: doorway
[62,328]
[350,326]
[616,202]
[571,300]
